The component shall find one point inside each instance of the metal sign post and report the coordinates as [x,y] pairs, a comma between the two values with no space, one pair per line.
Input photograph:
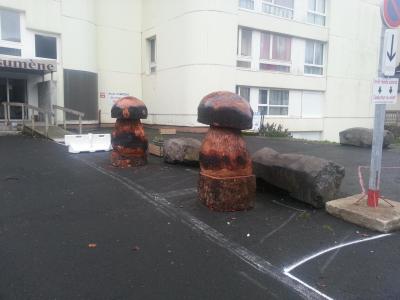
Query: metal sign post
[376,156]
[387,64]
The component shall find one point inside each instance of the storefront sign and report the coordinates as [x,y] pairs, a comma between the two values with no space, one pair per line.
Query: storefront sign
[29,64]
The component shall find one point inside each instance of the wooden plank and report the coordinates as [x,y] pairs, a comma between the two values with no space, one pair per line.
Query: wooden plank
[156,150]
[167,131]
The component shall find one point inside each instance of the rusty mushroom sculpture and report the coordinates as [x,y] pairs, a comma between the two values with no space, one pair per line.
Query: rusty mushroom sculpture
[128,139]
[226,179]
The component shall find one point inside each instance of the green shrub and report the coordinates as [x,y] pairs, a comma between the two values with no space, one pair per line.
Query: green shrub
[394,129]
[396,132]
[273,130]
[158,140]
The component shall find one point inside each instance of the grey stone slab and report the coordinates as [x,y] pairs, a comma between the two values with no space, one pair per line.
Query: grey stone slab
[182,150]
[384,218]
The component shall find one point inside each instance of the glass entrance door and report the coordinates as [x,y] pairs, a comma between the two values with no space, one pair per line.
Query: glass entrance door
[17,93]
[3,95]
[13,90]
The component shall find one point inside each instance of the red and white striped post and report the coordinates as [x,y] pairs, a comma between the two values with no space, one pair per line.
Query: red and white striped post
[391,18]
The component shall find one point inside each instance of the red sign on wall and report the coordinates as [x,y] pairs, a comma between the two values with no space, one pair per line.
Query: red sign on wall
[391,13]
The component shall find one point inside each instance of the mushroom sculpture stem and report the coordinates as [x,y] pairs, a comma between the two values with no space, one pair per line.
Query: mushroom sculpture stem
[226,179]
[128,138]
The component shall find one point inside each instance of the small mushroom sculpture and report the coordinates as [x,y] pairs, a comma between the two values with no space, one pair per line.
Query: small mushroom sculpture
[226,179]
[128,139]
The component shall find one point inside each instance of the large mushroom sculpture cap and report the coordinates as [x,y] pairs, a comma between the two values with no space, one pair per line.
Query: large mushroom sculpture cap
[225,109]
[129,108]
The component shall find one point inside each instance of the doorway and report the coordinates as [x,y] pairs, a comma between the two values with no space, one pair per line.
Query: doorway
[12,90]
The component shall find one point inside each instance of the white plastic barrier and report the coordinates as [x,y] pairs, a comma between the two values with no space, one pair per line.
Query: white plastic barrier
[78,143]
[101,142]
[88,142]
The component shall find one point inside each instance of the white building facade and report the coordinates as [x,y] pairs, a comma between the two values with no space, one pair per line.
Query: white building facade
[305,64]
[91,45]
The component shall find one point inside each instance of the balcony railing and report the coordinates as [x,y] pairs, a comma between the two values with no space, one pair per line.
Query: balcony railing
[66,111]
[47,114]
[277,10]
[392,117]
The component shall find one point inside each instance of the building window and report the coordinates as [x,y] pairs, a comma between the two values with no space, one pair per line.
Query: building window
[273,102]
[247,4]
[10,26]
[314,59]
[244,47]
[10,51]
[243,91]
[275,52]
[317,12]
[45,46]
[151,42]
[280,8]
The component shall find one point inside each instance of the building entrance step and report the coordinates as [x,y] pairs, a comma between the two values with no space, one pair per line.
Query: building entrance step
[8,130]
[54,133]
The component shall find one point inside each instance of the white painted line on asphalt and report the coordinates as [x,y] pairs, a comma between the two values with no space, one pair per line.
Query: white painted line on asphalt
[278,228]
[177,182]
[288,206]
[287,270]
[146,178]
[308,258]
[193,171]
[309,286]
[258,284]
[179,193]
[334,254]
[244,254]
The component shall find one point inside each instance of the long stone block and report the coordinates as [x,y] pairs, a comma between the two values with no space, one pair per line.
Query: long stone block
[307,178]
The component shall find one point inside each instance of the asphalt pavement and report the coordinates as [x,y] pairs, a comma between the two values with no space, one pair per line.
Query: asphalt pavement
[74,227]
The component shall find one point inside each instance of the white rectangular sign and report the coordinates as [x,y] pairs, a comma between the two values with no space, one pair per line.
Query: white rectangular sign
[389,55]
[385,90]
[114,96]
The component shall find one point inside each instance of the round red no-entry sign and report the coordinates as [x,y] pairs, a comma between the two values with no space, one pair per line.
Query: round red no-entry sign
[391,13]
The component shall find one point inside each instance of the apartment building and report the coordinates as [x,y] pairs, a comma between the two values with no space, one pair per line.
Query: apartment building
[305,64]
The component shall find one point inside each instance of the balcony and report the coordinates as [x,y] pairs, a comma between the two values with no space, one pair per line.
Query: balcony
[277,10]
[392,117]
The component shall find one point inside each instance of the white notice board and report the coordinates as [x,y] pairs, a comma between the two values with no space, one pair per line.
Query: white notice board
[385,90]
